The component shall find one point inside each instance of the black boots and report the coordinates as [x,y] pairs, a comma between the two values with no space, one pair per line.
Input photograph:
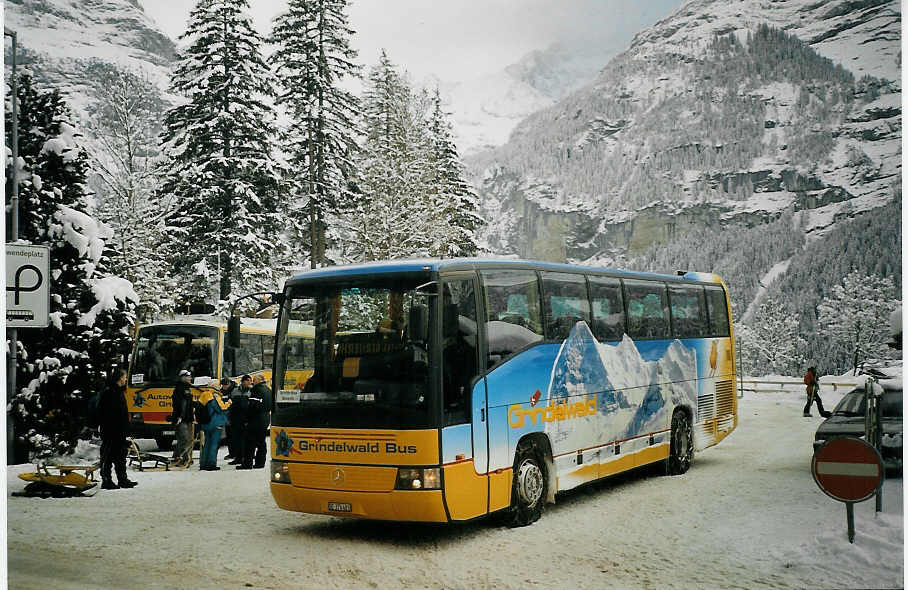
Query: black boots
[108,484]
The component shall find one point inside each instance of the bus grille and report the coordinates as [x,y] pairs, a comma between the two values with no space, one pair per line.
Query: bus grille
[725,398]
[706,407]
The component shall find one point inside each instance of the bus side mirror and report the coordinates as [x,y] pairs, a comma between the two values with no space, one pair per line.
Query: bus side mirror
[233,331]
[419,323]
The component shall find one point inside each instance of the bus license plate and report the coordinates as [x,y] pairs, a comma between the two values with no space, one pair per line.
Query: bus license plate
[340,507]
[168,433]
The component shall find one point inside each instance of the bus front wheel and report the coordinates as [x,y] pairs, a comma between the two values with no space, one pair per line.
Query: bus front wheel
[530,485]
[682,444]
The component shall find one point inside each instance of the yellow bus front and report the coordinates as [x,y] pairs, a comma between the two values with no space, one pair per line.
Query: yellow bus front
[378,474]
[160,352]
[360,435]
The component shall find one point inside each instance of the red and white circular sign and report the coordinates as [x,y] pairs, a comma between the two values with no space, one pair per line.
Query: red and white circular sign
[847,469]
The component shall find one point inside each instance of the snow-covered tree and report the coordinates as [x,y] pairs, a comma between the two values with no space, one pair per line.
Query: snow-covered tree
[772,343]
[411,197]
[125,116]
[312,59]
[854,318]
[457,203]
[91,311]
[220,167]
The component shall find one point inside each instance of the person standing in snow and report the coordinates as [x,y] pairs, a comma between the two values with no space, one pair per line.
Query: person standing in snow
[114,422]
[258,420]
[182,419]
[216,408]
[239,418]
[228,387]
[813,393]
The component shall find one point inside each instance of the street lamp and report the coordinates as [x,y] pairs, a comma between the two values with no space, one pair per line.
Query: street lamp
[14,231]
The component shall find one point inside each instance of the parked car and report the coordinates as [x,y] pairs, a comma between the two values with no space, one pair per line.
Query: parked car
[848,420]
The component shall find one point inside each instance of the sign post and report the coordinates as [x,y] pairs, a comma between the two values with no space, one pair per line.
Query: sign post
[849,470]
[27,286]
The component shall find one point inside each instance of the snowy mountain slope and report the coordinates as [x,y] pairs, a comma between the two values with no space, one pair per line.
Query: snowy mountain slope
[708,119]
[57,37]
[486,109]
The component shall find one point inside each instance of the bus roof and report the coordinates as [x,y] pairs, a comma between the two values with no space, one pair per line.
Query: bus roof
[435,265]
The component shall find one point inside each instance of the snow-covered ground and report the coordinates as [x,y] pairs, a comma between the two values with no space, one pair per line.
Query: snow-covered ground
[747,515]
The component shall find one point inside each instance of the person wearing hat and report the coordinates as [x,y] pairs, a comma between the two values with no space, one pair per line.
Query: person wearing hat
[182,419]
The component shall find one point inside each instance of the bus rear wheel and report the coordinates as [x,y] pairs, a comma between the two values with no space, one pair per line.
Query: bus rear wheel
[682,444]
[530,487]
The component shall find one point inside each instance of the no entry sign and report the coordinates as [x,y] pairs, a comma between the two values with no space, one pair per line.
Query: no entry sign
[847,469]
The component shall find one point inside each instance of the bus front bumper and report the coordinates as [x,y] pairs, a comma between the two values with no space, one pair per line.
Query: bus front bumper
[400,505]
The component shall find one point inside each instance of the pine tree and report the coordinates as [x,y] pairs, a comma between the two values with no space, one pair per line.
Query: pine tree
[412,197]
[854,318]
[772,344]
[125,116]
[312,59]
[386,220]
[220,166]
[91,312]
[457,203]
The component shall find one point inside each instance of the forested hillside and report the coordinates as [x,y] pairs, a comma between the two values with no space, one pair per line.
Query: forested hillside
[728,138]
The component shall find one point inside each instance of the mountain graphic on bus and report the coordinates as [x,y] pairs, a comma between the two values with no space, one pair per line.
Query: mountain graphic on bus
[614,373]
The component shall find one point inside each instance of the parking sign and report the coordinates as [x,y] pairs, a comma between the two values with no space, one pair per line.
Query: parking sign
[27,286]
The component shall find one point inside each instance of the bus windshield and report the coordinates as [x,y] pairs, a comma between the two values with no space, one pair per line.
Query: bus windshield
[370,357]
[162,351]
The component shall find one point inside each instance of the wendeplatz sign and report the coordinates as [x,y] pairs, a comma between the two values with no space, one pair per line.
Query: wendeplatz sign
[27,286]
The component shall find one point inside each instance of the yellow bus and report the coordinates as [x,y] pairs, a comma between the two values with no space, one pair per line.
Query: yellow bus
[447,390]
[162,349]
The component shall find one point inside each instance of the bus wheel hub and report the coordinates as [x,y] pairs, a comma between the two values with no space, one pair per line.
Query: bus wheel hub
[529,483]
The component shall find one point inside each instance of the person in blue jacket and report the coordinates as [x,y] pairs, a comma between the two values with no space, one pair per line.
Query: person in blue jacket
[215,412]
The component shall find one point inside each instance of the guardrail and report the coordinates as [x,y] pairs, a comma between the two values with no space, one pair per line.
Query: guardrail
[773,385]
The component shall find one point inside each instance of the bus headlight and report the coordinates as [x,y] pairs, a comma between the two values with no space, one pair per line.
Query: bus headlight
[409,478]
[280,472]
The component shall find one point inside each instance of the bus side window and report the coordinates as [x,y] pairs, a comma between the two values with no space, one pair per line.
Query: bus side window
[688,311]
[514,315]
[608,308]
[460,363]
[565,303]
[718,312]
[647,310]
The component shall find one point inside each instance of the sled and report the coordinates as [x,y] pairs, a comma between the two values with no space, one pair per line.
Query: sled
[144,461]
[59,481]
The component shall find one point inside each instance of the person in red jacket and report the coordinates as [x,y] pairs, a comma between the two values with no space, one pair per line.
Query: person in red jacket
[813,393]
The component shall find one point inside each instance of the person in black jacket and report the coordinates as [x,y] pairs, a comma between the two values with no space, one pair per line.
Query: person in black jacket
[238,410]
[114,422]
[183,419]
[258,418]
